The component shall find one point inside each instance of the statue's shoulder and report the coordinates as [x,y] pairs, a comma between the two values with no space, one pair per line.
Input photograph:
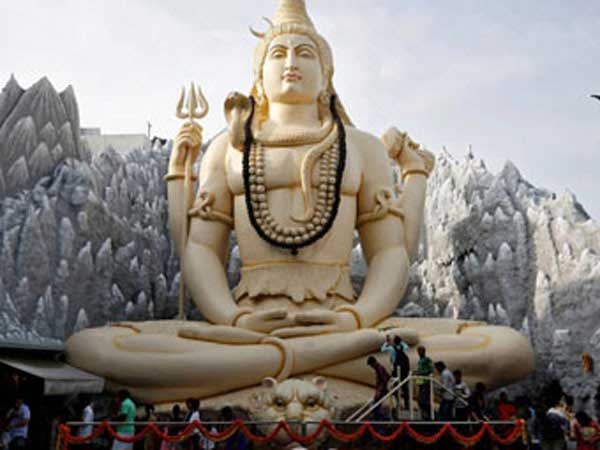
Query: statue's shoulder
[216,150]
[367,145]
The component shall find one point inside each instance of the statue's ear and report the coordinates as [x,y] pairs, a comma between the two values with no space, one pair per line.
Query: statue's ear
[269,382]
[320,383]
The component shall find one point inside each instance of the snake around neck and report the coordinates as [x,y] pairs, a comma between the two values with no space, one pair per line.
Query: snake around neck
[320,213]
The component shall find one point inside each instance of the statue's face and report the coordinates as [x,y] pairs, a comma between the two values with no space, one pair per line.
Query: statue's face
[292,70]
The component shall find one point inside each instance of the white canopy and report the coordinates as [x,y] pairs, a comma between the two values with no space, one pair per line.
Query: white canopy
[59,378]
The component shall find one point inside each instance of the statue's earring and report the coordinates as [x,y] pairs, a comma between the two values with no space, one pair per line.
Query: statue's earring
[324,98]
[260,95]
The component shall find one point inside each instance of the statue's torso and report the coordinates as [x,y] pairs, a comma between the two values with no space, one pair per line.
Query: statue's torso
[318,264]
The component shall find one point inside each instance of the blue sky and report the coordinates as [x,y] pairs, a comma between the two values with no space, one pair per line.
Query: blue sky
[510,78]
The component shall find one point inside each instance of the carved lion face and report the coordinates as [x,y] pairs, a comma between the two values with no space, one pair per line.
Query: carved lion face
[294,401]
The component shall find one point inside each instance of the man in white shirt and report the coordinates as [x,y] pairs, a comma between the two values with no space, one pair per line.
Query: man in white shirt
[447,392]
[463,393]
[87,416]
[18,423]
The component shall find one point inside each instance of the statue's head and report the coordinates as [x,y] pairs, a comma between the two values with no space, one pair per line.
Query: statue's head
[292,62]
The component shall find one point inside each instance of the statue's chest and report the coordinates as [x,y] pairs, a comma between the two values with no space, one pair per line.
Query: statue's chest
[283,168]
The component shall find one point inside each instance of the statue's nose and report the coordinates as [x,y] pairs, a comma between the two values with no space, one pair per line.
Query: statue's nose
[294,411]
[290,60]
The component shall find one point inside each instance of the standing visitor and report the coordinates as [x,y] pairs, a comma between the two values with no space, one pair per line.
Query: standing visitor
[173,430]
[477,403]
[126,415]
[18,424]
[586,431]
[382,378]
[462,393]
[237,441]
[447,391]
[193,405]
[388,347]
[151,441]
[87,417]
[402,368]
[505,410]
[555,428]
[424,369]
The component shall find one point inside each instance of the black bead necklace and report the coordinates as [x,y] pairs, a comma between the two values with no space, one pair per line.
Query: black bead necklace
[295,243]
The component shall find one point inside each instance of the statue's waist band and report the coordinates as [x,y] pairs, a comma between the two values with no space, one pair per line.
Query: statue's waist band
[298,280]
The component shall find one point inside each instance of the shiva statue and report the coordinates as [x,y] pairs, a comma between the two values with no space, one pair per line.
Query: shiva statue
[294,179]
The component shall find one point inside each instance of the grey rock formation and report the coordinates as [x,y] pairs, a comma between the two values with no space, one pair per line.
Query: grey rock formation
[39,128]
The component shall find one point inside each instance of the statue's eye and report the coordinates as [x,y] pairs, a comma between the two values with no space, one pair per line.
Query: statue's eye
[306,54]
[279,402]
[311,402]
[277,54]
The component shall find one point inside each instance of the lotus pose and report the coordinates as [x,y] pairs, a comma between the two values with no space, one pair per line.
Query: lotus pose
[294,178]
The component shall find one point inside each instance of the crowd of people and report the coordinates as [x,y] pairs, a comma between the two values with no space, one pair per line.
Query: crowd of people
[124,412]
[550,426]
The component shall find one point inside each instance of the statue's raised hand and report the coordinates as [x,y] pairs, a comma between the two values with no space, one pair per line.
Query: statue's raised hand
[406,152]
[187,141]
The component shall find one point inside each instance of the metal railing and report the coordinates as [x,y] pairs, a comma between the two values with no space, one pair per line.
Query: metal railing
[370,406]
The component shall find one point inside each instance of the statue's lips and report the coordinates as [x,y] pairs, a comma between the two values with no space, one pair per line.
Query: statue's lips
[292,76]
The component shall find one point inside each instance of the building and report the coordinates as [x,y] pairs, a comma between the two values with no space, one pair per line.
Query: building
[121,143]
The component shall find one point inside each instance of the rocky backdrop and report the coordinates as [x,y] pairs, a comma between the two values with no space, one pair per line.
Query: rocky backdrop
[84,241]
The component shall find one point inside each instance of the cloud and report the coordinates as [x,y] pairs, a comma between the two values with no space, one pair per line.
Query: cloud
[511,78]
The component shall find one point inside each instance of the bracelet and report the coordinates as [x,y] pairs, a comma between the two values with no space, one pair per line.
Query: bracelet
[352,310]
[239,313]
[406,173]
[178,176]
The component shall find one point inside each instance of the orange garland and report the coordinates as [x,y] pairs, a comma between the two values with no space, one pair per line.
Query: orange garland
[238,425]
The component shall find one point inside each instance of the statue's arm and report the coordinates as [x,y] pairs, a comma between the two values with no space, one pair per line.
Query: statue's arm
[416,164]
[205,249]
[382,235]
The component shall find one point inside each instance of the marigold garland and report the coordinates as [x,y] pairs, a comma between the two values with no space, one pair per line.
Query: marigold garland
[447,429]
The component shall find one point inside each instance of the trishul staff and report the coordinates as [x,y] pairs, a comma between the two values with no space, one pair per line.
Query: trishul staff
[195,99]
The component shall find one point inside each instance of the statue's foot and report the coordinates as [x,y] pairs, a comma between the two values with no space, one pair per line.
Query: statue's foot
[494,355]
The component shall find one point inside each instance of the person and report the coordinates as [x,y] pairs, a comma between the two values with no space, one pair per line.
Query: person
[173,430]
[18,424]
[555,428]
[505,409]
[237,441]
[586,431]
[126,415]
[193,415]
[447,391]
[87,416]
[151,441]
[462,394]
[402,368]
[424,369]
[382,377]
[477,403]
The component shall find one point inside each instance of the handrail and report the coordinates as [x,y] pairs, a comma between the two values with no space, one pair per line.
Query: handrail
[294,422]
[384,398]
[395,387]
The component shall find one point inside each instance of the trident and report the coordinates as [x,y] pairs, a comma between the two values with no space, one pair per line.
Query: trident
[192,113]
